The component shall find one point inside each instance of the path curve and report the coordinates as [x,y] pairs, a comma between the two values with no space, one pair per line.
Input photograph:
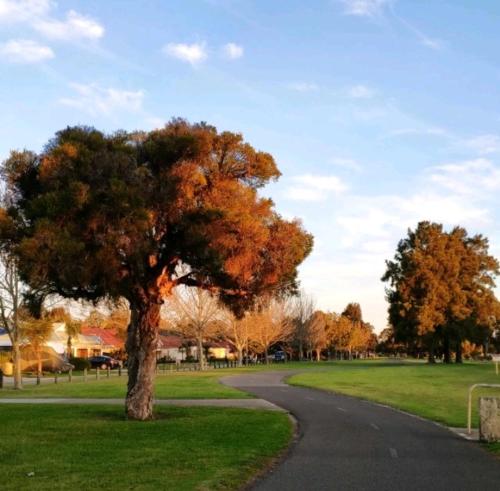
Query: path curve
[346,443]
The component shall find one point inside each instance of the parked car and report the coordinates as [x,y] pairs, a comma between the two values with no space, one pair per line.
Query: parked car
[103,362]
[50,360]
[280,356]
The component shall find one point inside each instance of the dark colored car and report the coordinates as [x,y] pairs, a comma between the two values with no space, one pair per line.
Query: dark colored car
[104,362]
[280,356]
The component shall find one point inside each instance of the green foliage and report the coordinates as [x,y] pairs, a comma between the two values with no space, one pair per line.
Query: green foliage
[441,286]
[80,363]
[98,215]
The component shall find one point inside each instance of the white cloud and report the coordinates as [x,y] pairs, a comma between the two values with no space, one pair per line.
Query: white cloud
[303,86]
[361,92]
[232,51]
[309,187]
[365,8]
[94,99]
[473,177]
[37,14]
[484,144]
[25,51]
[23,10]
[191,53]
[75,26]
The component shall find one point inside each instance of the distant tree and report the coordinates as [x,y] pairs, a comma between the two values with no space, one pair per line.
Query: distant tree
[98,216]
[195,312]
[353,312]
[236,330]
[11,305]
[36,331]
[318,333]
[440,284]
[72,327]
[269,324]
[302,310]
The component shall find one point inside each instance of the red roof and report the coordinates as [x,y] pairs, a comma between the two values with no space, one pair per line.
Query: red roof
[109,337]
[166,342]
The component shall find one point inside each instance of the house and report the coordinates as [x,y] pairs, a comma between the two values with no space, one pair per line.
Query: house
[220,350]
[5,343]
[82,346]
[171,348]
[110,340]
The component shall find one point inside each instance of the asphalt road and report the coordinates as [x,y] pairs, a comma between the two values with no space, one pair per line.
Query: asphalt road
[345,443]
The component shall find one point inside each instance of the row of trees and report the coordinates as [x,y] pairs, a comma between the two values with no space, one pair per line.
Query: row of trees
[290,323]
[441,292]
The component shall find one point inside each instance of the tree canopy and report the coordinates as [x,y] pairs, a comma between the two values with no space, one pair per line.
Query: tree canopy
[134,215]
[440,284]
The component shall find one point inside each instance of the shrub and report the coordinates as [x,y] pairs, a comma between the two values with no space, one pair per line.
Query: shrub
[80,363]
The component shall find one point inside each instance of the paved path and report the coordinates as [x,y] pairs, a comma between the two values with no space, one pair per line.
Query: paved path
[345,443]
[238,403]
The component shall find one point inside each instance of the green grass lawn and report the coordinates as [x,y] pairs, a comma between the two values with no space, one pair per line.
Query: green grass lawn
[437,392]
[182,385]
[94,447]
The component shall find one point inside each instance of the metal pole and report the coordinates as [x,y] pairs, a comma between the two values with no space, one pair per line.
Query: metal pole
[84,374]
[108,374]
[70,376]
[55,377]
[496,367]
[97,373]
[119,370]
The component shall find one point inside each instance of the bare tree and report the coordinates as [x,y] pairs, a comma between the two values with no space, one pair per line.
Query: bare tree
[11,301]
[302,312]
[270,324]
[237,331]
[195,312]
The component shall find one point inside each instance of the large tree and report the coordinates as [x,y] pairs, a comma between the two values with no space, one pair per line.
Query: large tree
[98,216]
[441,286]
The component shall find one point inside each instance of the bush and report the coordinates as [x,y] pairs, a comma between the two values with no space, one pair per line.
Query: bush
[80,363]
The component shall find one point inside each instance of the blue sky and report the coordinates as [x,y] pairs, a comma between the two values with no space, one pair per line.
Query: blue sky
[380,113]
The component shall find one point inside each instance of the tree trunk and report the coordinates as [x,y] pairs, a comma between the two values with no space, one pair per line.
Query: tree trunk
[16,358]
[200,353]
[267,358]
[142,338]
[301,348]
[318,354]
[240,357]
[458,356]
[446,349]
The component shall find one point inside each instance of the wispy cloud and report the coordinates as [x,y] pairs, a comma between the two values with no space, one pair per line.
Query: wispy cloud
[303,86]
[94,99]
[310,187]
[232,51]
[75,27]
[365,8]
[484,144]
[193,53]
[470,177]
[38,14]
[361,92]
[25,51]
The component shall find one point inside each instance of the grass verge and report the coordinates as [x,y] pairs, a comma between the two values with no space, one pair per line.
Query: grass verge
[437,392]
[94,447]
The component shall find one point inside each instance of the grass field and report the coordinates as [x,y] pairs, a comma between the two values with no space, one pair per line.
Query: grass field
[94,447]
[182,385]
[437,392]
